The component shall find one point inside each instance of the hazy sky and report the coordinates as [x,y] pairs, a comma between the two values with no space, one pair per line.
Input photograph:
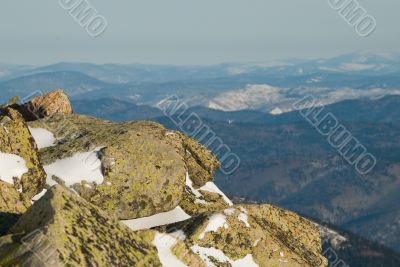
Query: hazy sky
[190,32]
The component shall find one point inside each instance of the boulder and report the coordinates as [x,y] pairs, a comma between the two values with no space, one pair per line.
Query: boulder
[62,229]
[204,199]
[11,206]
[46,105]
[17,141]
[144,174]
[252,235]
[103,172]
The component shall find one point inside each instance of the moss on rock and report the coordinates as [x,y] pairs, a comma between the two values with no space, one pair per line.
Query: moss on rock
[63,228]
[143,163]
[273,236]
[15,138]
[12,206]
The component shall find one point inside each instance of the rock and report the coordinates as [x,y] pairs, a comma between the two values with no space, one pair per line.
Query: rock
[263,234]
[174,246]
[201,162]
[46,105]
[143,174]
[14,101]
[204,199]
[62,229]
[126,171]
[11,206]
[16,139]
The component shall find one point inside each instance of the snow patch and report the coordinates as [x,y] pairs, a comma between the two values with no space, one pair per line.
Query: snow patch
[215,222]
[180,235]
[205,253]
[173,216]
[336,239]
[229,211]
[243,217]
[80,167]
[40,195]
[43,137]
[11,166]
[276,111]
[256,242]
[164,244]
[211,187]
[253,96]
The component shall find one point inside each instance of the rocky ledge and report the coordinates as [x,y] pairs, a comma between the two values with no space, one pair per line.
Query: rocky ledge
[79,191]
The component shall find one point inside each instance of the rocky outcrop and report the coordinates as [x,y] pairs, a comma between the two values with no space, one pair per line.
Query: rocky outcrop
[11,206]
[144,165]
[54,102]
[200,161]
[261,234]
[16,139]
[62,229]
[103,172]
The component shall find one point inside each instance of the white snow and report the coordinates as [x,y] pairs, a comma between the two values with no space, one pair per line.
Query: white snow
[243,210]
[215,222]
[189,183]
[164,243]
[39,196]
[4,127]
[82,166]
[253,96]
[211,187]
[276,111]
[204,253]
[11,166]
[180,235]
[229,211]
[43,137]
[173,216]
[243,217]
[336,239]
[353,66]
[256,242]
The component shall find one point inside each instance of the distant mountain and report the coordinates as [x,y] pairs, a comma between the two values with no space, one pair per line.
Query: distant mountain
[343,248]
[268,87]
[361,63]
[119,110]
[75,83]
[384,110]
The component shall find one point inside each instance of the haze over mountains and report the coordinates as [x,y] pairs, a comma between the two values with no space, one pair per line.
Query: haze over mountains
[259,85]
[249,106]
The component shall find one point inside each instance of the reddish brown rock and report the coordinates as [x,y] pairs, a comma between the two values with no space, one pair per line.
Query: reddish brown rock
[47,105]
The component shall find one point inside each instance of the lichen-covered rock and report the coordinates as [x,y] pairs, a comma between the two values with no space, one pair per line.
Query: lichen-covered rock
[62,229]
[11,206]
[204,199]
[201,162]
[47,105]
[261,234]
[143,163]
[16,139]
[143,169]
[177,247]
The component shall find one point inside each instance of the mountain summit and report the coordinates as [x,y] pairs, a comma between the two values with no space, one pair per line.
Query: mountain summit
[80,191]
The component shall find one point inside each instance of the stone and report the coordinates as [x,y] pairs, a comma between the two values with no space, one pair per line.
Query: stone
[16,139]
[46,105]
[272,236]
[62,229]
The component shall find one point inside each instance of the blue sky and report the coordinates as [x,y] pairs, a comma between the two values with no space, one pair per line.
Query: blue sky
[190,32]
